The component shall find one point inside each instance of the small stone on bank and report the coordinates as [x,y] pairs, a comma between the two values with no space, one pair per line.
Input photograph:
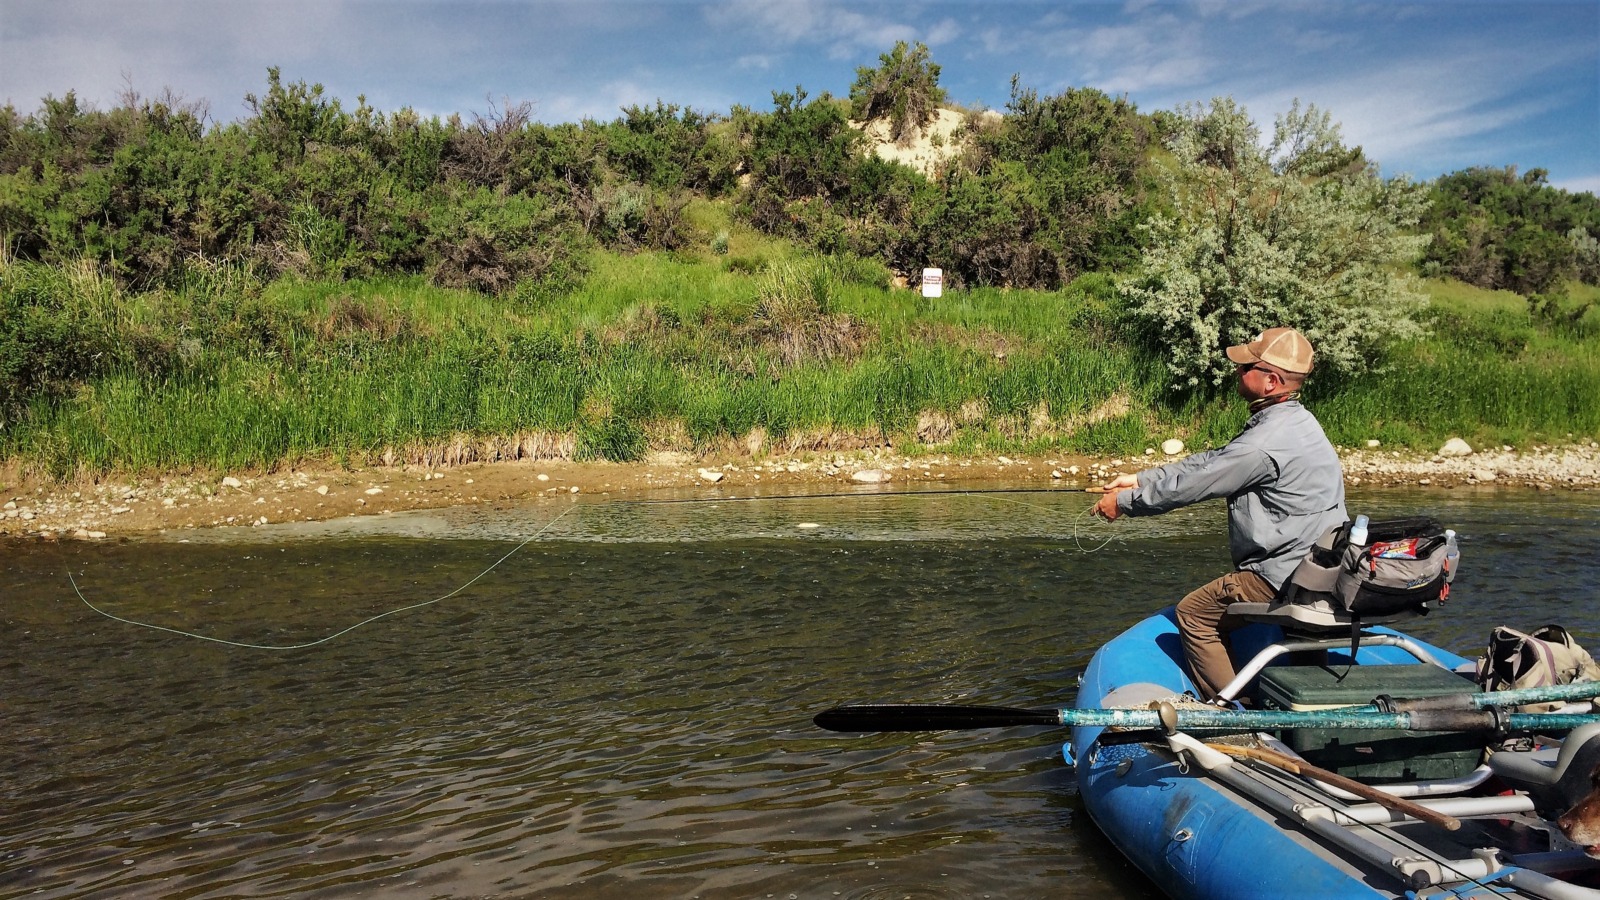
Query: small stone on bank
[808,525]
[1172,446]
[1374,443]
[232,482]
[710,475]
[374,490]
[1483,474]
[543,477]
[871,476]
[1455,447]
[322,489]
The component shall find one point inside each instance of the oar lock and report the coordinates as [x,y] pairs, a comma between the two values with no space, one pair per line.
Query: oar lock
[1453,712]
[1167,714]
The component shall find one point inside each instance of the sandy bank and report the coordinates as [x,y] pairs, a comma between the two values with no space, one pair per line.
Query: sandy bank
[95,511]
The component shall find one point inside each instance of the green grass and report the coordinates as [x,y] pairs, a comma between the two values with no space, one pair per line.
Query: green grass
[1490,372]
[688,352]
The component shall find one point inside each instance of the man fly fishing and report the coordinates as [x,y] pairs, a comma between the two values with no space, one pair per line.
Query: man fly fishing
[1283,483]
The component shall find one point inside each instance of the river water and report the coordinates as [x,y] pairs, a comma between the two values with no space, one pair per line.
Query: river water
[622,706]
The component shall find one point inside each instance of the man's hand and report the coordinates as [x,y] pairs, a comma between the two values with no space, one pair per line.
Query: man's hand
[1106,508]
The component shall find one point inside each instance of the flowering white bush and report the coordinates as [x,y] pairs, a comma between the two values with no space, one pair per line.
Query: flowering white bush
[1299,232]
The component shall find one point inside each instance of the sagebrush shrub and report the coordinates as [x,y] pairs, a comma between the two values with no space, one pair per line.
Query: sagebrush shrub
[903,88]
[1298,233]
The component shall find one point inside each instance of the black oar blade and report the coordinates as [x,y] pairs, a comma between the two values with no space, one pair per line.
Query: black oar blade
[931,717]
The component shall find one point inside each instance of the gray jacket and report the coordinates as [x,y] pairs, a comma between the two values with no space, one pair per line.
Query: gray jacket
[1283,481]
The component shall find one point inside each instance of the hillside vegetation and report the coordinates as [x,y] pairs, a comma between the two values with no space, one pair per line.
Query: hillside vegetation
[319,283]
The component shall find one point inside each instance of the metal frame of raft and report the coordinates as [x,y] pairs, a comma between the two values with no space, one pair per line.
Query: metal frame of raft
[1416,872]
[1200,821]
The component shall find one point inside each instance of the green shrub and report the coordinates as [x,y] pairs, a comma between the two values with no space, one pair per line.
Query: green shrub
[61,328]
[1496,229]
[489,243]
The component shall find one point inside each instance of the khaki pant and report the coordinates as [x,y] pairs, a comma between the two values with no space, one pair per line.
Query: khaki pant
[1200,626]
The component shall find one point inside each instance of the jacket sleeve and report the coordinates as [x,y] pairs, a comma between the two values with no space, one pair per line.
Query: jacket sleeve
[1216,473]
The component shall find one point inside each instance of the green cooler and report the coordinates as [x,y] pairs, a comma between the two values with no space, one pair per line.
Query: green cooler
[1371,754]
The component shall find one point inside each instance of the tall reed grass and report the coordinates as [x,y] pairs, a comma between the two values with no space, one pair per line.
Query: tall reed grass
[657,351]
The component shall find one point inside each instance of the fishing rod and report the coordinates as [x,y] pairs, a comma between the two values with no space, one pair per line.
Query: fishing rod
[872,494]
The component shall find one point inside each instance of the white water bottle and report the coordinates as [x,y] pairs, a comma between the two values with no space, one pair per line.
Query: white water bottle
[1452,555]
[1358,532]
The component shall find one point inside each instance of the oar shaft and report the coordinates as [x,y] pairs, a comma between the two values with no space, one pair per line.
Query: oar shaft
[1555,693]
[1357,717]
[942,717]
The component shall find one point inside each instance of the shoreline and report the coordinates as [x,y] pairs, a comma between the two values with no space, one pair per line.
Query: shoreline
[111,509]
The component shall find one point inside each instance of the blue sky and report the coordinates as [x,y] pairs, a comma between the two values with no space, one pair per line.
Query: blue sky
[1425,87]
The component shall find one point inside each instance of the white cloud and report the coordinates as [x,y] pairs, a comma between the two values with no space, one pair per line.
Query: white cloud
[944,31]
[1157,52]
[1423,108]
[842,30]
[1589,183]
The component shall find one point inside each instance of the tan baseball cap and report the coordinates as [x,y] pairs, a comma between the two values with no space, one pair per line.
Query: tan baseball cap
[1283,348]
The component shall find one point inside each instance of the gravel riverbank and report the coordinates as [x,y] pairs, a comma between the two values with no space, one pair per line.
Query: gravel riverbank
[165,507]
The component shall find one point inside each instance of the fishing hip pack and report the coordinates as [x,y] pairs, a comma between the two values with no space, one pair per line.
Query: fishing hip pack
[1548,656]
[1406,565]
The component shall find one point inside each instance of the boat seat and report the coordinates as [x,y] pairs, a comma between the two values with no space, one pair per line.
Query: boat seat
[1298,611]
[1555,777]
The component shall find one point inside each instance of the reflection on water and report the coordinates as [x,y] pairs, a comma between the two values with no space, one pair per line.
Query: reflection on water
[623,706]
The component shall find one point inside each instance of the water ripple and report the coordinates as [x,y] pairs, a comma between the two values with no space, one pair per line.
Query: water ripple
[624,710]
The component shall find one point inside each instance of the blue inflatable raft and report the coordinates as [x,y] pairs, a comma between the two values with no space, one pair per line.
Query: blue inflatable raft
[1202,821]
